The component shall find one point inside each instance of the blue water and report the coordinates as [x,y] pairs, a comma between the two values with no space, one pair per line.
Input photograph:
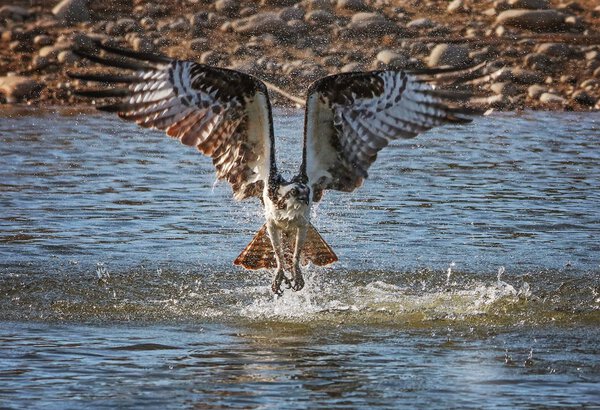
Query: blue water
[468,273]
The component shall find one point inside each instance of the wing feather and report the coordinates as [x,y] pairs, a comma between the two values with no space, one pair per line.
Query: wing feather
[224,113]
[350,117]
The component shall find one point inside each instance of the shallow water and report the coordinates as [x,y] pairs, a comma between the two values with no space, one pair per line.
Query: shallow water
[468,274]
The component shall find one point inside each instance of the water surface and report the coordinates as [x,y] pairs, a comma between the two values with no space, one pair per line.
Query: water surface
[468,272]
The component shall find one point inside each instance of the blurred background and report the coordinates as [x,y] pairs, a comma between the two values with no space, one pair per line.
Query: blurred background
[550,49]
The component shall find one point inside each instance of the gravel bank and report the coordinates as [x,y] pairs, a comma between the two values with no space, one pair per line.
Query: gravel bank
[550,49]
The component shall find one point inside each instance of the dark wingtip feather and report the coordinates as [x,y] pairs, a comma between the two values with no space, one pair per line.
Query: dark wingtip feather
[136,55]
[116,92]
[109,108]
[458,120]
[105,78]
[447,69]
[111,62]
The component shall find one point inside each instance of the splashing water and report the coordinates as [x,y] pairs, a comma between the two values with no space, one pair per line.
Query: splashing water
[500,273]
[449,273]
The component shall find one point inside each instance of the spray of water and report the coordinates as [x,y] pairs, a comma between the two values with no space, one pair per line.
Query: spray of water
[449,273]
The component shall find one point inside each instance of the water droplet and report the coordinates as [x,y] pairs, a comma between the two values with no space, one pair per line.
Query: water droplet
[449,273]
[500,272]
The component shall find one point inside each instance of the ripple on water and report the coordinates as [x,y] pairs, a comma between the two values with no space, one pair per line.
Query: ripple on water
[468,273]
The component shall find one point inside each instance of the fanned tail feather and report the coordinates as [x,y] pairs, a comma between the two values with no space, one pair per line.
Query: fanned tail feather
[259,253]
[316,250]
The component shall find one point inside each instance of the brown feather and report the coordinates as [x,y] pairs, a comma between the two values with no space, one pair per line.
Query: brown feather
[259,253]
[316,250]
[226,114]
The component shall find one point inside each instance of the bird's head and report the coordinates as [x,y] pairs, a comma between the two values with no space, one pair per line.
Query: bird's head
[293,194]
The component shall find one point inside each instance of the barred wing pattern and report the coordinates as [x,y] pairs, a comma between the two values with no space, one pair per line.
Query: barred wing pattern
[350,117]
[224,113]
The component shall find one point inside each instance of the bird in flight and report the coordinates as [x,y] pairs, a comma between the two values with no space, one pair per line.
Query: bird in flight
[226,115]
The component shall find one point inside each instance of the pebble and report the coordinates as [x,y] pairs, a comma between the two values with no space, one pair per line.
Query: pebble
[72,11]
[529,4]
[200,44]
[392,59]
[299,27]
[79,40]
[549,98]
[370,24]
[317,4]
[505,88]
[67,57]
[181,25]
[20,46]
[248,10]
[536,90]
[121,27]
[422,23]
[352,5]
[520,75]
[150,10]
[590,84]
[278,3]
[230,8]
[14,13]
[334,61]
[262,23]
[449,55]
[351,67]
[53,51]
[148,23]
[535,20]
[538,61]
[572,7]
[212,57]
[141,44]
[584,98]
[291,13]
[16,89]
[560,50]
[39,63]
[42,40]
[456,6]
[319,17]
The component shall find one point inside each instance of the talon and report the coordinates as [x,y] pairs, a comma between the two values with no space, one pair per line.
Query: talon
[276,289]
[298,284]
[279,279]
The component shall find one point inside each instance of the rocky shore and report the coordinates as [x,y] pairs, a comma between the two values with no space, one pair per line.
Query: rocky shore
[550,50]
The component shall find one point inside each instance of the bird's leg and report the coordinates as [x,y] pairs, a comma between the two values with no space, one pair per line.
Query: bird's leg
[299,246]
[275,235]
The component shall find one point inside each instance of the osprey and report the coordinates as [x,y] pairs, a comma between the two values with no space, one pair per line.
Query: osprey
[226,115]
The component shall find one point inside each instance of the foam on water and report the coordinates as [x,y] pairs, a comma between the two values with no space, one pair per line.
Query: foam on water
[406,299]
[379,298]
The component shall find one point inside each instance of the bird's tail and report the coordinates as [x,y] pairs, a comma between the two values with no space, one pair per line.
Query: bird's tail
[259,253]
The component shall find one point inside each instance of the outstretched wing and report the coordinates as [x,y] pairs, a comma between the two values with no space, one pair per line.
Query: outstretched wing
[224,113]
[350,117]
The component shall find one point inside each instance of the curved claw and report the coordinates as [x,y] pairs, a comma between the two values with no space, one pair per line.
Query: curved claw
[298,284]
[276,289]
[279,279]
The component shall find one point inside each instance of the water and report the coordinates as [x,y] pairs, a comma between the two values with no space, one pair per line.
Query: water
[468,274]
